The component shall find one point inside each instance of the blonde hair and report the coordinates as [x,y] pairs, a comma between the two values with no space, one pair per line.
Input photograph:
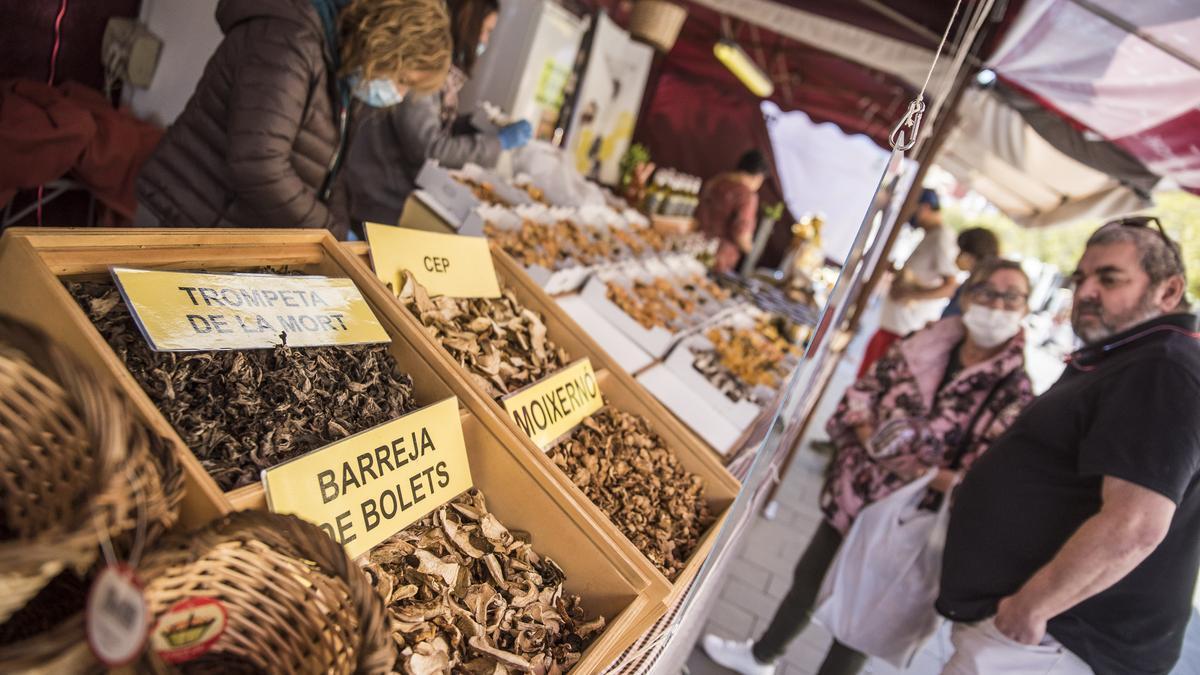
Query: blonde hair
[405,40]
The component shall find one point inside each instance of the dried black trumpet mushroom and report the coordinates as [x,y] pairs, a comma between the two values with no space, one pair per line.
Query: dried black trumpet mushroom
[244,411]
[501,344]
[465,596]
[626,469]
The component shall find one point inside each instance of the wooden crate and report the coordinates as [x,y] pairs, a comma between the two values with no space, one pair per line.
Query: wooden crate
[621,390]
[617,581]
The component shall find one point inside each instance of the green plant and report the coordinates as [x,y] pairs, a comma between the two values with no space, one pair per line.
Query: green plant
[772,211]
[636,155]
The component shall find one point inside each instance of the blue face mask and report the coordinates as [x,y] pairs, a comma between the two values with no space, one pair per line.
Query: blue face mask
[377,93]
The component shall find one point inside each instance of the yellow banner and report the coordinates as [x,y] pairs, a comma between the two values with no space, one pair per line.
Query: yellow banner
[445,264]
[195,311]
[365,488]
[553,406]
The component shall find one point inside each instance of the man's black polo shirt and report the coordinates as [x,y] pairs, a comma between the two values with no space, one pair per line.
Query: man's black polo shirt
[1131,409]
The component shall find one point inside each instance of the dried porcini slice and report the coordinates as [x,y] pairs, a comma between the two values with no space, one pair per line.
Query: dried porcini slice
[500,343]
[243,411]
[625,468]
[503,611]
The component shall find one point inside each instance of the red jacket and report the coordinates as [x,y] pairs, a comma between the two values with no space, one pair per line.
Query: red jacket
[728,210]
[49,132]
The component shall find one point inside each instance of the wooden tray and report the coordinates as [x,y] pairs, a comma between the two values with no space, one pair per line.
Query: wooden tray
[612,578]
[619,389]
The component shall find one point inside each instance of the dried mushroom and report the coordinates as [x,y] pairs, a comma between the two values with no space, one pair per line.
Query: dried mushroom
[530,244]
[742,359]
[483,191]
[501,344]
[467,597]
[243,411]
[636,245]
[625,468]
[652,303]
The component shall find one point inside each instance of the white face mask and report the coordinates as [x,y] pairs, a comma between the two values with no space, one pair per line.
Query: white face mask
[990,327]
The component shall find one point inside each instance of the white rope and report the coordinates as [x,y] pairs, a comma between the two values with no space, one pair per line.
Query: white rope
[975,24]
[941,46]
[907,131]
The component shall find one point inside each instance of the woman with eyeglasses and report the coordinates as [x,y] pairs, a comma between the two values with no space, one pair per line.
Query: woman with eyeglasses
[938,398]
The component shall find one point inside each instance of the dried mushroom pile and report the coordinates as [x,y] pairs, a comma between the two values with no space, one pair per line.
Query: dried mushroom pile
[243,411]
[699,281]
[653,303]
[467,597]
[742,359]
[626,469]
[636,245]
[531,244]
[501,344]
[589,245]
[483,191]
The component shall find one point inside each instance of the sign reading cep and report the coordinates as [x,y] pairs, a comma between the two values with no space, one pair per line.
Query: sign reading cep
[445,264]
[194,311]
[547,409]
[365,488]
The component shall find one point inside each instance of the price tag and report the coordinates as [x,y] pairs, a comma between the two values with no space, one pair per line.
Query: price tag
[189,629]
[365,488]
[554,405]
[192,311]
[116,616]
[445,264]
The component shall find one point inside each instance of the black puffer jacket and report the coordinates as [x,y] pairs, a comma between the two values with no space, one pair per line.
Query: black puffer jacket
[260,136]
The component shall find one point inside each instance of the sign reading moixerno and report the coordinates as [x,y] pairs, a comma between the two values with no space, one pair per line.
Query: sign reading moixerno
[196,311]
[365,488]
[553,406]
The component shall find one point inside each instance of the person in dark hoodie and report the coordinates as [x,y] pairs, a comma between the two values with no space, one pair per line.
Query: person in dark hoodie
[262,137]
[391,146]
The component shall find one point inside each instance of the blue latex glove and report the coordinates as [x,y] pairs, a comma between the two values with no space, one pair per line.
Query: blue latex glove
[515,135]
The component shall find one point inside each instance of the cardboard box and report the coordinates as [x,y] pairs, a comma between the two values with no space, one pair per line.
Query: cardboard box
[624,351]
[740,414]
[707,422]
[422,211]
[656,341]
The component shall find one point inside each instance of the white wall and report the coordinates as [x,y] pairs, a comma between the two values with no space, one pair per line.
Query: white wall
[190,35]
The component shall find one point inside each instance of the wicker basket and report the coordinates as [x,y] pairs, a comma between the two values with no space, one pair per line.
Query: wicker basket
[657,22]
[73,463]
[293,601]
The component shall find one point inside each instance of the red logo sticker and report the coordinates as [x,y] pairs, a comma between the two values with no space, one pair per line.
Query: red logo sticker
[189,629]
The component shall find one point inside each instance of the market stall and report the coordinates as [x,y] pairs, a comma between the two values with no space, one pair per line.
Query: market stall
[520,428]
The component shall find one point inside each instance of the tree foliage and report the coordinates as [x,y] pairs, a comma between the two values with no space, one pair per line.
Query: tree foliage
[1062,245]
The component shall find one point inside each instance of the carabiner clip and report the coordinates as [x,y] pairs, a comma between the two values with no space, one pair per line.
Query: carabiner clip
[904,134]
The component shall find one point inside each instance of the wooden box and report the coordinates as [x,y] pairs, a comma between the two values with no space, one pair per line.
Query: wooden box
[35,262]
[621,391]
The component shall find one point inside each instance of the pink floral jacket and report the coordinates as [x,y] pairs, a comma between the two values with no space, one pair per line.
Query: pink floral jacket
[904,384]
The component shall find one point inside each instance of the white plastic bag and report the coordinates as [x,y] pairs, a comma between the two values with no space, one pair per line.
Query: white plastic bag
[879,592]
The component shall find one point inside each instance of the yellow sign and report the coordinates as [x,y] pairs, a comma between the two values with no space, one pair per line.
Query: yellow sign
[194,311]
[365,488]
[547,409]
[445,264]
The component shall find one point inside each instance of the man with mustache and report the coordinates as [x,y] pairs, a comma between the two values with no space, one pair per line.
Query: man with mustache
[1074,542]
